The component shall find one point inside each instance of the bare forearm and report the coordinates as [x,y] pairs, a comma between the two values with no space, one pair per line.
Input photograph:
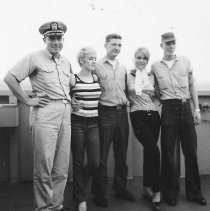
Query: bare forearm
[15,88]
[194,96]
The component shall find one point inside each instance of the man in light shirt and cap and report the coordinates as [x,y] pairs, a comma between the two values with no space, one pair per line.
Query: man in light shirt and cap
[49,74]
[174,80]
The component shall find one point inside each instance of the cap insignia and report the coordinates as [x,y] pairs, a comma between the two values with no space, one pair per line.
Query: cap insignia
[54,26]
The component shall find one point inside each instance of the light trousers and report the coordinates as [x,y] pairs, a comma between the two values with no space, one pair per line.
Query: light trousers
[51,131]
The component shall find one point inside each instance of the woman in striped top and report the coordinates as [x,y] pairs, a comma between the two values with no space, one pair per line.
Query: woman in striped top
[145,120]
[84,119]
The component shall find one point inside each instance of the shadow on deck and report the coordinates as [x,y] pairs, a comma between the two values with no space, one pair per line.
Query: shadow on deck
[19,197]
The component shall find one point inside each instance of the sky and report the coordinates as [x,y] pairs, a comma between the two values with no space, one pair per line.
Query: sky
[140,22]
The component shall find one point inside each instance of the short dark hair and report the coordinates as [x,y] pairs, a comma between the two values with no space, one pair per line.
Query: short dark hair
[112,36]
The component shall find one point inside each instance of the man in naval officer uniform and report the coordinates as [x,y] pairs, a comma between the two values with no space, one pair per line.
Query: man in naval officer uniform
[49,74]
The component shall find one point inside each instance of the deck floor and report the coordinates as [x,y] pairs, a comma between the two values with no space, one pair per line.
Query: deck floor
[19,197]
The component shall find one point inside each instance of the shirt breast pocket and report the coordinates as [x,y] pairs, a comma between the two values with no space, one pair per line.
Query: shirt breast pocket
[46,75]
[103,79]
[183,81]
[162,83]
[182,78]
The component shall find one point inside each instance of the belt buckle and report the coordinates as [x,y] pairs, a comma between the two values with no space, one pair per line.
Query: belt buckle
[65,101]
[148,112]
[184,100]
[119,107]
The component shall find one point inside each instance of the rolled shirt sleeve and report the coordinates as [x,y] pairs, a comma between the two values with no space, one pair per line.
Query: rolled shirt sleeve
[48,77]
[23,68]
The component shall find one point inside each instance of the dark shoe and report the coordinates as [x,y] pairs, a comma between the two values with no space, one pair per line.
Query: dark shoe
[171,202]
[147,197]
[199,200]
[67,209]
[101,202]
[156,206]
[147,193]
[126,195]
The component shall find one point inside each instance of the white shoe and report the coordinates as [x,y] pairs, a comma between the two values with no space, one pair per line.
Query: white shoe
[156,197]
[82,206]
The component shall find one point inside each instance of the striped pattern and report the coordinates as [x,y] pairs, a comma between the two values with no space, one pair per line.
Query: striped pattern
[88,94]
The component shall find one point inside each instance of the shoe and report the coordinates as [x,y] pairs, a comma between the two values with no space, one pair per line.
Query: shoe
[66,209]
[147,197]
[147,193]
[156,206]
[101,202]
[82,206]
[156,201]
[171,202]
[126,195]
[199,200]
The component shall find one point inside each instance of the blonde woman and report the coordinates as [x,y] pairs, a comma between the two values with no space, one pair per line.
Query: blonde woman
[84,120]
[145,120]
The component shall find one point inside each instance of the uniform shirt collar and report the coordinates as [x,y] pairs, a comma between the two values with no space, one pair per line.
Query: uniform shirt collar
[105,60]
[50,56]
[175,59]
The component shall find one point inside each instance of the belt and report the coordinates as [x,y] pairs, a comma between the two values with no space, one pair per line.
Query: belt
[117,107]
[148,112]
[75,116]
[64,101]
[176,100]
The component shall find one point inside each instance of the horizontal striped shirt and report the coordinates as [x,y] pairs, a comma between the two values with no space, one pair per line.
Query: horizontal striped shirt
[88,94]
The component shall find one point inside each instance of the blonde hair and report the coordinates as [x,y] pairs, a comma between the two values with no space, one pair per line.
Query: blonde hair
[83,53]
[144,51]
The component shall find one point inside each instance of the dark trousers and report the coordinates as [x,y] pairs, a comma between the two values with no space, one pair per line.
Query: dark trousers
[113,127]
[146,126]
[177,122]
[85,137]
